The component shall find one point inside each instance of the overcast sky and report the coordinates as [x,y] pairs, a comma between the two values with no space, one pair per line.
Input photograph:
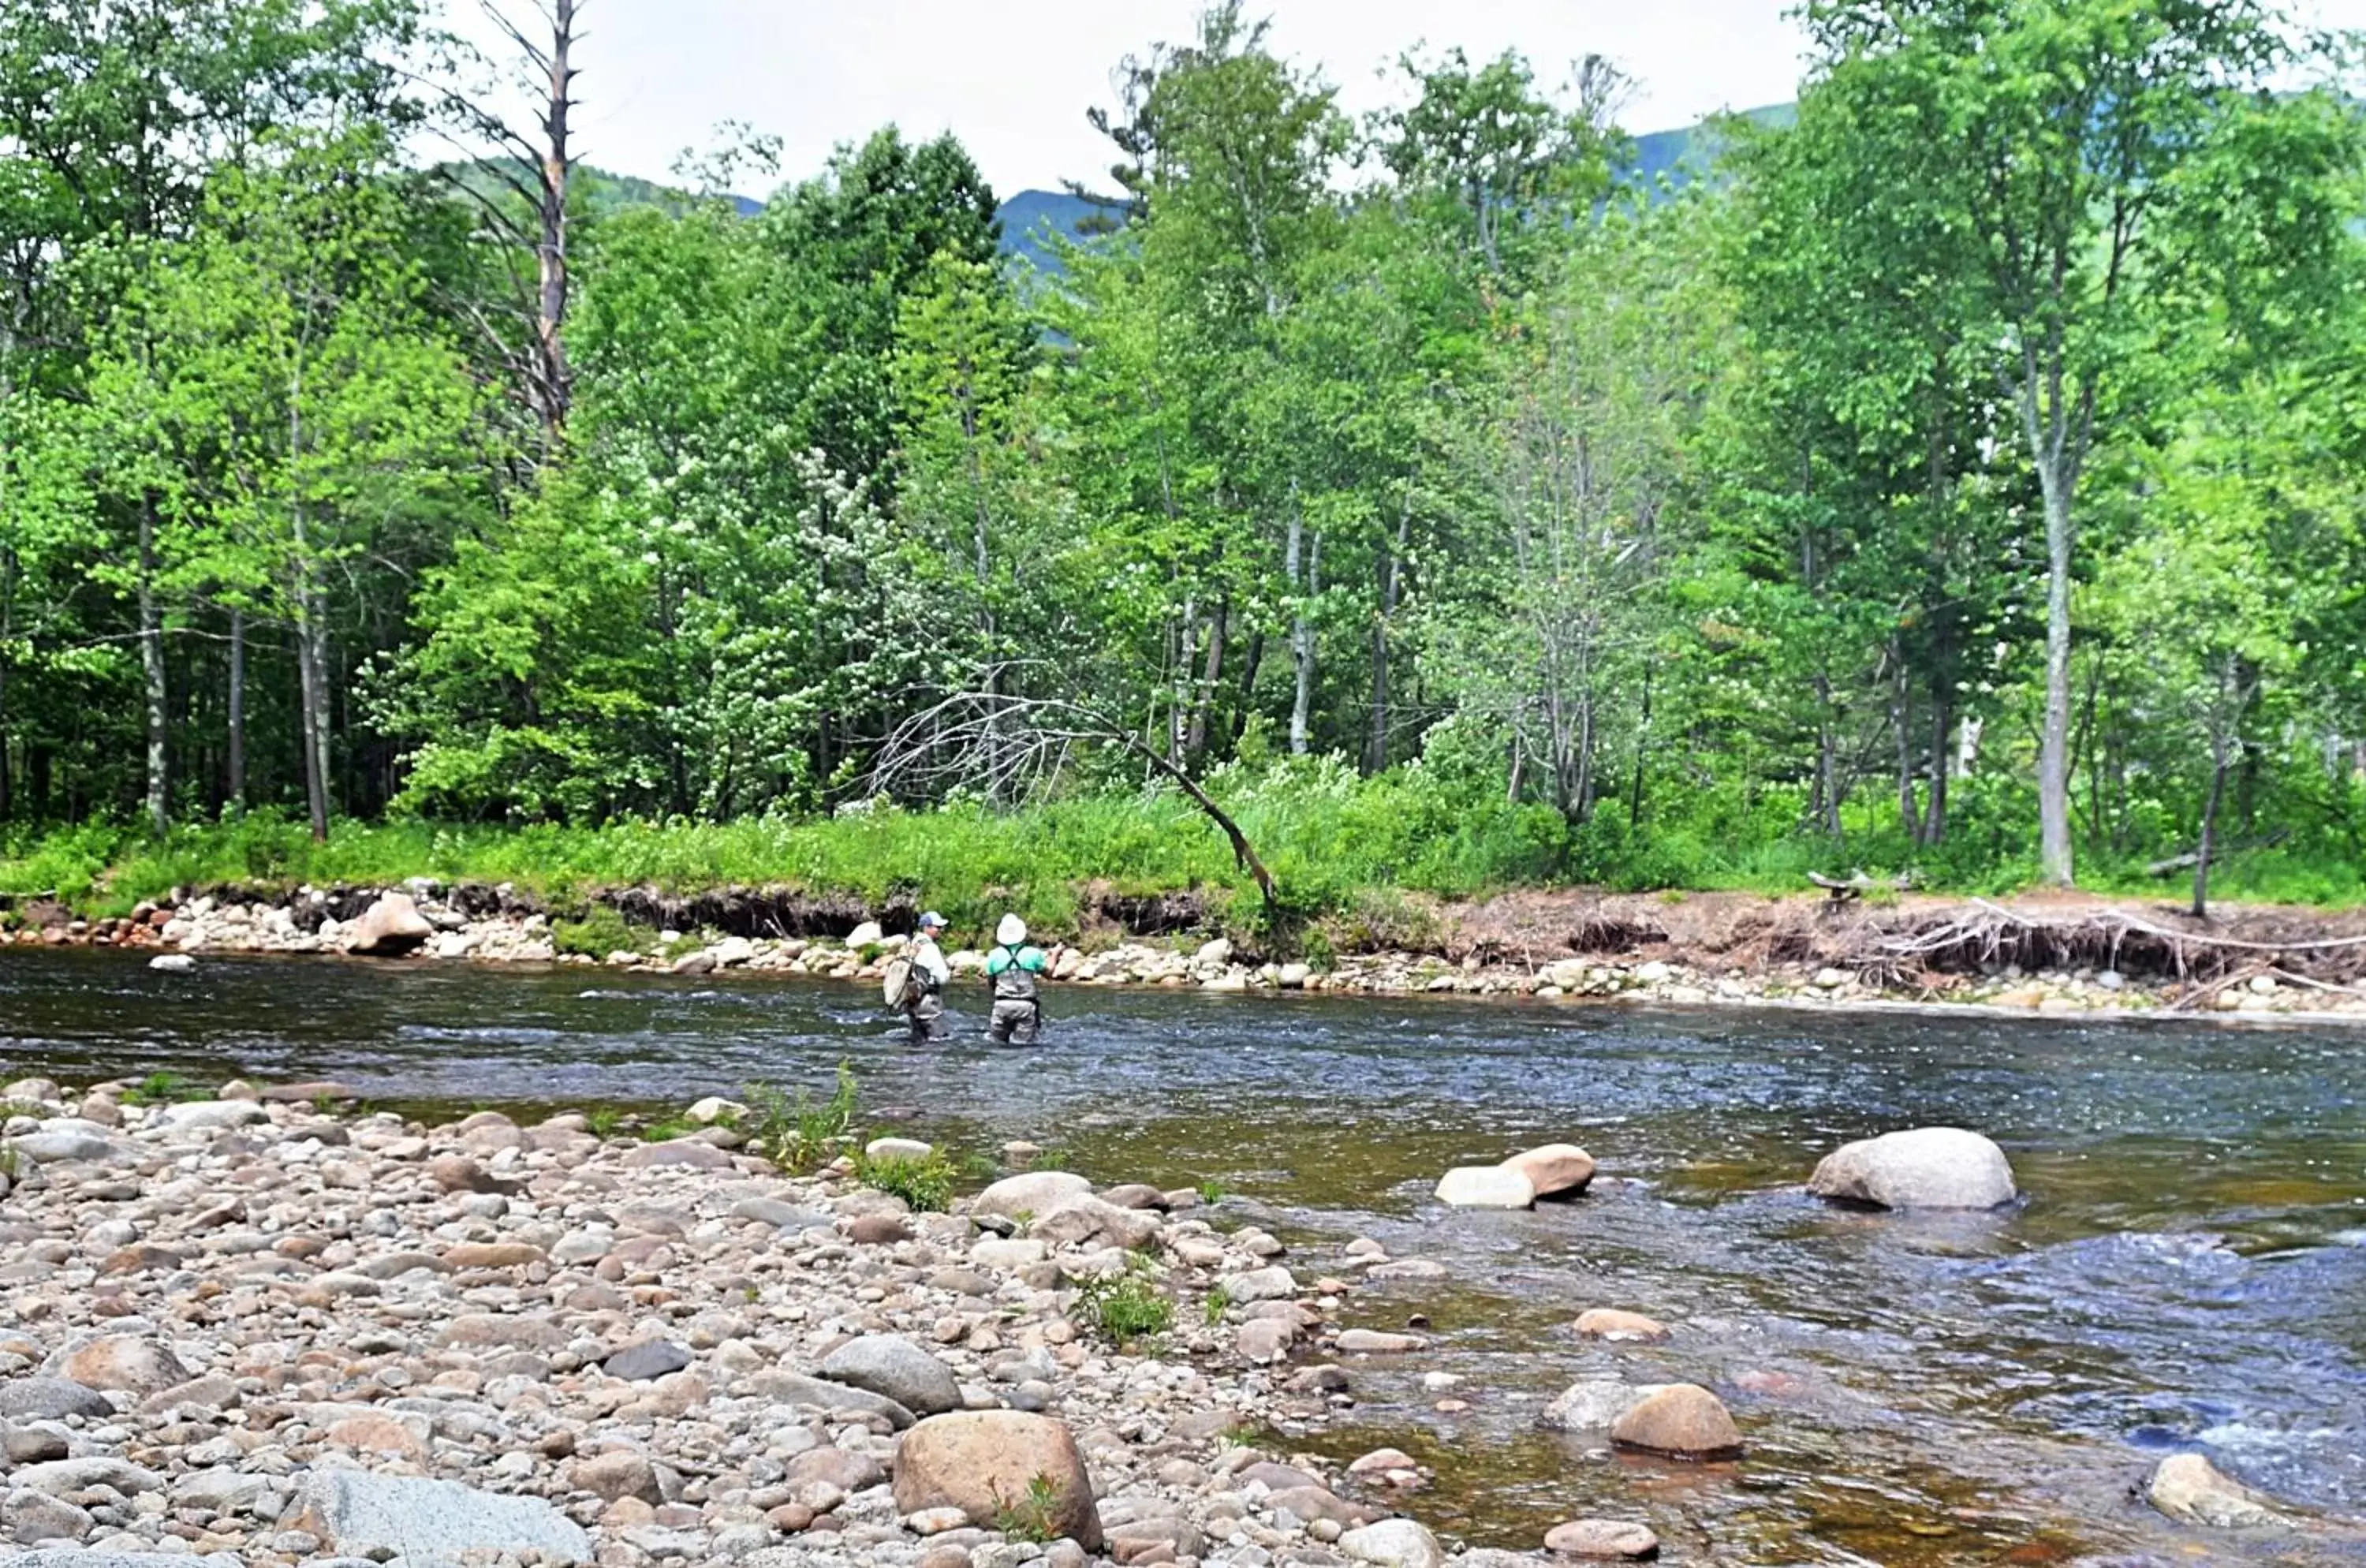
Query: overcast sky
[1014,80]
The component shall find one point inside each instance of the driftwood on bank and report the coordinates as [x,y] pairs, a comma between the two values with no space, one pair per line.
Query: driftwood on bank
[1982,936]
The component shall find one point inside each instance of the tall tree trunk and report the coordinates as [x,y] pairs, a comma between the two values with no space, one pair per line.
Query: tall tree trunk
[1302,564]
[7,630]
[1910,808]
[1934,820]
[236,790]
[1642,756]
[1828,762]
[311,639]
[1376,738]
[151,664]
[1210,672]
[2209,826]
[2054,862]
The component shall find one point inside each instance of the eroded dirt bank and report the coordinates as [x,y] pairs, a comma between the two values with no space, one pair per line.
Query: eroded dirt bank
[2052,954]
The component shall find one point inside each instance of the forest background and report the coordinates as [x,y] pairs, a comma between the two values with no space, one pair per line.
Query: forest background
[1959,477]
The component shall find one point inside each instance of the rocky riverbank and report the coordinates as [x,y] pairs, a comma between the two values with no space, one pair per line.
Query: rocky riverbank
[248,1329]
[1722,951]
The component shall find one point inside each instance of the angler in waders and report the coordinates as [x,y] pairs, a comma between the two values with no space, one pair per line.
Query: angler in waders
[1012,966]
[922,994]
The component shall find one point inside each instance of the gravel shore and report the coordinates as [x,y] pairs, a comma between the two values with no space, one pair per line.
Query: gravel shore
[254,1330]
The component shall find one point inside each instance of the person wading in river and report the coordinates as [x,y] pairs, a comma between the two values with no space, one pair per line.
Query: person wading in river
[1013,966]
[924,989]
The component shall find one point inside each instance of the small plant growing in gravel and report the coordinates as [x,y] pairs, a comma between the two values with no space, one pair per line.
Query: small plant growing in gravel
[1125,1307]
[603,1120]
[10,1161]
[665,1129]
[1212,1191]
[798,1134]
[162,1089]
[1033,1517]
[1219,1302]
[925,1182]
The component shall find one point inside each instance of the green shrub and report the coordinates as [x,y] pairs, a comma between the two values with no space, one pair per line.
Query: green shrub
[162,1088]
[597,932]
[1126,1307]
[798,1134]
[1034,1516]
[925,1182]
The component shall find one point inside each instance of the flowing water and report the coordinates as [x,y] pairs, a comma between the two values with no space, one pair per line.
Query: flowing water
[2189,1270]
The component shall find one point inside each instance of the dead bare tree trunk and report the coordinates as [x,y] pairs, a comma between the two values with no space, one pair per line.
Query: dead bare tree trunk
[537,171]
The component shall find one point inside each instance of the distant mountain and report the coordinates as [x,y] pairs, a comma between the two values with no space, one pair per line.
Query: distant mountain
[1030,216]
[1031,219]
[1683,154]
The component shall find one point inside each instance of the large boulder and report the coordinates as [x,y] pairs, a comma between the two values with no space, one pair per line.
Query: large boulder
[1683,1421]
[212,1115]
[388,929]
[1555,1171]
[363,1514]
[991,1463]
[51,1399]
[124,1361]
[1595,1404]
[68,1138]
[2187,1487]
[1088,1220]
[1393,1543]
[821,1393]
[893,1368]
[1486,1187]
[1030,1192]
[1928,1167]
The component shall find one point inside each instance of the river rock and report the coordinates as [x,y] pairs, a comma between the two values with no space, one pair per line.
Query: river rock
[1595,1404]
[1378,1342]
[647,1361]
[51,1399]
[1029,1192]
[363,1514]
[125,1361]
[172,964]
[1088,1220]
[1274,1284]
[1683,1421]
[212,1114]
[1486,1187]
[388,928]
[897,1148]
[619,1473]
[1393,1543]
[61,1476]
[2187,1487]
[1601,1540]
[1555,1171]
[1928,1167]
[1621,1327]
[796,1388]
[67,1140]
[984,1461]
[893,1368]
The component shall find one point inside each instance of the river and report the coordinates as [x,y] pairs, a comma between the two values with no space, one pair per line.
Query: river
[2189,1270]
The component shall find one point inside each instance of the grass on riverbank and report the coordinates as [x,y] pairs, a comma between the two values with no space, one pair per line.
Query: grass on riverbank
[1345,851]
